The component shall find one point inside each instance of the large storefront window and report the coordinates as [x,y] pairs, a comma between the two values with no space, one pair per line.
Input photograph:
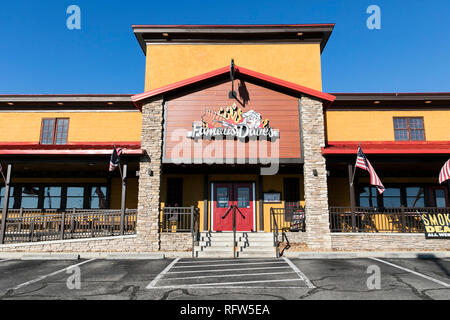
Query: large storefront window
[56,197]
[410,196]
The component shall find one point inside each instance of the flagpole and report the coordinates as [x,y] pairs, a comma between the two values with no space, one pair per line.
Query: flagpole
[354,169]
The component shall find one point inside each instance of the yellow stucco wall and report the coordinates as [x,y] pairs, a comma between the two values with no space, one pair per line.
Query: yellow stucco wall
[83,126]
[378,125]
[298,63]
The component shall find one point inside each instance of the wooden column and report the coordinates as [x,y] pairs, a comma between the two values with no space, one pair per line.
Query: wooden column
[352,195]
[261,203]
[205,202]
[124,196]
[5,204]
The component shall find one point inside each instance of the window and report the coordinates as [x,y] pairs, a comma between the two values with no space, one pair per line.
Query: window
[409,129]
[97,198]
[368,197]
[75,198]
[52,197]
[392,198]
[11,197]
[415,197]
[54,130]
[56,197]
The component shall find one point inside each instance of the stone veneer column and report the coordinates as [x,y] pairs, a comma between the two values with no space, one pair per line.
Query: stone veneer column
[316,190]
[148,238]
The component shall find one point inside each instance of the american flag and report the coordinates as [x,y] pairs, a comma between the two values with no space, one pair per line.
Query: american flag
[445,172]
[115,159]
[363,163]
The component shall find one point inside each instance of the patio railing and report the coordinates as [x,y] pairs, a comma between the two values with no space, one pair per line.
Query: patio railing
[372,220]
[31,225]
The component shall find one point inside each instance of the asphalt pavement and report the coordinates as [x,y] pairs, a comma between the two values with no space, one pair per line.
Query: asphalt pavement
[226,279]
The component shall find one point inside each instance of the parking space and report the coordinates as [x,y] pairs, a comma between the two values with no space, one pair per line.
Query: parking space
[243,274]
[229,279]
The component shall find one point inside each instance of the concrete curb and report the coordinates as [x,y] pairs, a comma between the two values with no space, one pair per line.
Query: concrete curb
[362,255]
[51,256]
[135,256]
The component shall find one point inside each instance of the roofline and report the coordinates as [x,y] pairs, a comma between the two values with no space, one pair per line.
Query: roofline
[65,97]
[392,96]
[238,29]
[225,71]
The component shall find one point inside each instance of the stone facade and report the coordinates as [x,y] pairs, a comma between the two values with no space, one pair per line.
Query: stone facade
[387,242]
[109,244]
[315,174]
[150,177]
[180,242]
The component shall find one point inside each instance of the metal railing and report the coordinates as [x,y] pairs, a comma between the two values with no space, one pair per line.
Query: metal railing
[373,220]
[181,219]
[290,219]
[233,208]
[31,225]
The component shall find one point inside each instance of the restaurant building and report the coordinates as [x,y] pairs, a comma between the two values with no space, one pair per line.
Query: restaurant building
[232,125]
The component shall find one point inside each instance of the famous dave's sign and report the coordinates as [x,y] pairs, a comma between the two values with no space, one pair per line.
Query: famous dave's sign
[437,225]
[232,121]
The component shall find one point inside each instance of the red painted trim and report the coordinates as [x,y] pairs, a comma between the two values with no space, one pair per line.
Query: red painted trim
[72,145]
[387,147]
[225,70]
[66,152]
[82,148]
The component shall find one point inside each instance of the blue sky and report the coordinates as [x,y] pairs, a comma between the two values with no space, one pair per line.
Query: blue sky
[39,55]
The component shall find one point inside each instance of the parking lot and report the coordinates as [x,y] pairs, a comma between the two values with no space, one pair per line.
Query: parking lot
[225,279]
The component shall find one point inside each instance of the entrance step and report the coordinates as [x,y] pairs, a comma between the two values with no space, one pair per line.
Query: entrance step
[249,244]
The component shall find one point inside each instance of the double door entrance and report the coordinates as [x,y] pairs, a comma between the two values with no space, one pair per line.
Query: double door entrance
[227,194]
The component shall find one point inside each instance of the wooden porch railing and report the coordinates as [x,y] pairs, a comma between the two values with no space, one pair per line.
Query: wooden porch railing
[31,225]
[372,220]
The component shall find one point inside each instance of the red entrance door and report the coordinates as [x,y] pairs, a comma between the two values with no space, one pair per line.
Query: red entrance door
[227,194]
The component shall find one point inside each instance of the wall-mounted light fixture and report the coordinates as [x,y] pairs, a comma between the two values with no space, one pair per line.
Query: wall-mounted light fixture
[150,172]
[315,173]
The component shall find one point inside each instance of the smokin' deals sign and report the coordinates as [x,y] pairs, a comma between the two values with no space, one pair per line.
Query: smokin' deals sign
[232,122]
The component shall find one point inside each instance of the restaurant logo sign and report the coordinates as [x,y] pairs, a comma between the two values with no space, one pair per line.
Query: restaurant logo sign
[232,121]
[437,225]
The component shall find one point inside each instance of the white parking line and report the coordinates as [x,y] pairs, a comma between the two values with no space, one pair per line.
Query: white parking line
[220,270]
[4,260]
[232,275]
[229,264]
[162,273]
[413,272]
[219,284]
[209,261]
[49,275]
[299,273]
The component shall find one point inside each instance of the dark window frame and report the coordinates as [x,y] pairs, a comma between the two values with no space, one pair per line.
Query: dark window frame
[408,128]
[55,132]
